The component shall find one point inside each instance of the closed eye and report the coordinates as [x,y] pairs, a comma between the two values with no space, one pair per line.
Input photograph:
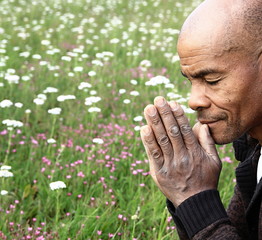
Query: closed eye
[212,83]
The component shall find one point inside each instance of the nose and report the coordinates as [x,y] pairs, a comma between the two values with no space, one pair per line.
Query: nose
[198,99]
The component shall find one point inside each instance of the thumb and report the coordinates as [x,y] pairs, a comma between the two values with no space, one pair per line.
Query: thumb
[206,140]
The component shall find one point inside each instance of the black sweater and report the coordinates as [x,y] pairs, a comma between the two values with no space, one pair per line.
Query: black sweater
[203,216]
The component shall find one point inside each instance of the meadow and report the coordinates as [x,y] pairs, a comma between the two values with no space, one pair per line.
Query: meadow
[75,76]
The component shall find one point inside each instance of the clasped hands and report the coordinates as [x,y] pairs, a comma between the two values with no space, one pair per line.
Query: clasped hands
[183,161]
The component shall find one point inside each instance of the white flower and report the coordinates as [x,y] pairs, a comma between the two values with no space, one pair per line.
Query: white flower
[45,42]
[114,40]
[66,58]
[173,95]
[145,63]
[175,59]
[126,101]
[137,128]
[98,140]
[90,100]
[94,109]
[25,78]
[24,54]
[1,84]
[18,105]
[97,63]
[138,118]
[50,90]
[133,81]
[12,78]
[51,140]
[170,85]
[181,100]
[27,111]
[122,91]
[93,92]
[134,93]
[12,123]
[62,98]
[43,63]
[187,110]
[5,167]
[55,111]
[157,80]
[57,185]
[39,101]
[134,217]
[36,56]
[6,173]
[42,96]
[91,73]
[3,192]
[6,103]
[84,85]
[78,69]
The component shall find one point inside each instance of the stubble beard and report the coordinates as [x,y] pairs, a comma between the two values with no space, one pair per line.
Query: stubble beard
[232,132]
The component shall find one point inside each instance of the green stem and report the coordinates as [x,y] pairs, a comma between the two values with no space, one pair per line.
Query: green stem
[8,147]
[134,228]
[57,208]
[52,133]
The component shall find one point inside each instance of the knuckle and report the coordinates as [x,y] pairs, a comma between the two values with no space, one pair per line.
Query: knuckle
[185,129]
[174,131]
[163,140]
[149,141]
[155,120]
[156,154]
[163,171]
[164,112]
[179,112]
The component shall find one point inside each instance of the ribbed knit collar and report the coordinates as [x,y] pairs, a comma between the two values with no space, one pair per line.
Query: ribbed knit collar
[247,151]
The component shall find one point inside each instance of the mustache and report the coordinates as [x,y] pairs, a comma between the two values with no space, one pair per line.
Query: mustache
[209,117]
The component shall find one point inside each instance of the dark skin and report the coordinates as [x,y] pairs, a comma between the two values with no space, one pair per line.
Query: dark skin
[226,81]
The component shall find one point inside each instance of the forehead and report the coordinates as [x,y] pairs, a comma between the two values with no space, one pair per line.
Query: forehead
[210,27]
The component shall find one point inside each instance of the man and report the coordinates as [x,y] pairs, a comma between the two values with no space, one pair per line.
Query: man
[220,48]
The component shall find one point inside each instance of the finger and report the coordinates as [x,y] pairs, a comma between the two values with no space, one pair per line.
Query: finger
[170,124]
[186,131]
[206,140]
[155,122]
[153,150]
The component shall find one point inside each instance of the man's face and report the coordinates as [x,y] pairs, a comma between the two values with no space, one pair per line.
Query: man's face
[226,89]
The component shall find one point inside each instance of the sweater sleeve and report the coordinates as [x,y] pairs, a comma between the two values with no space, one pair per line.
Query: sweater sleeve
[203,216]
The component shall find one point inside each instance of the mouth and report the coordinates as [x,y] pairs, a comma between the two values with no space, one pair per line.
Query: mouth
[208,122]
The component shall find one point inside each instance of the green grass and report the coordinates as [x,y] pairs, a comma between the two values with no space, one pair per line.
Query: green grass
[109,194]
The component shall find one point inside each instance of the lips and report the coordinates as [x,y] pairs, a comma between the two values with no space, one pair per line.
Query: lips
[204,121]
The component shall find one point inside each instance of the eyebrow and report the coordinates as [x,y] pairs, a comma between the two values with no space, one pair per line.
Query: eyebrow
[201,73]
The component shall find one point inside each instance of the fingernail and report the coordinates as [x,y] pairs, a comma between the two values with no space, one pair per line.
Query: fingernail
[151,110]
[146,130]
[174,105]
[160,101]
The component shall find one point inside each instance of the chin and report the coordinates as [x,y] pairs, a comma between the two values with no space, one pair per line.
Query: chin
[225,137]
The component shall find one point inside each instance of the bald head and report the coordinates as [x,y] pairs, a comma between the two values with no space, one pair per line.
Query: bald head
[220,47]
[228,24]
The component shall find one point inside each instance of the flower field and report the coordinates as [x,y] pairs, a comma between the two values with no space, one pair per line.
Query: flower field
[75,77]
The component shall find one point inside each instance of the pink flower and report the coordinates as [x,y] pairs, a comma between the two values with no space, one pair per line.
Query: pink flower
[99,232]
[81,174]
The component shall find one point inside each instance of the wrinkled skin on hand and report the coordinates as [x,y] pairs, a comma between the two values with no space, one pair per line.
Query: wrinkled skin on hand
[183,161]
